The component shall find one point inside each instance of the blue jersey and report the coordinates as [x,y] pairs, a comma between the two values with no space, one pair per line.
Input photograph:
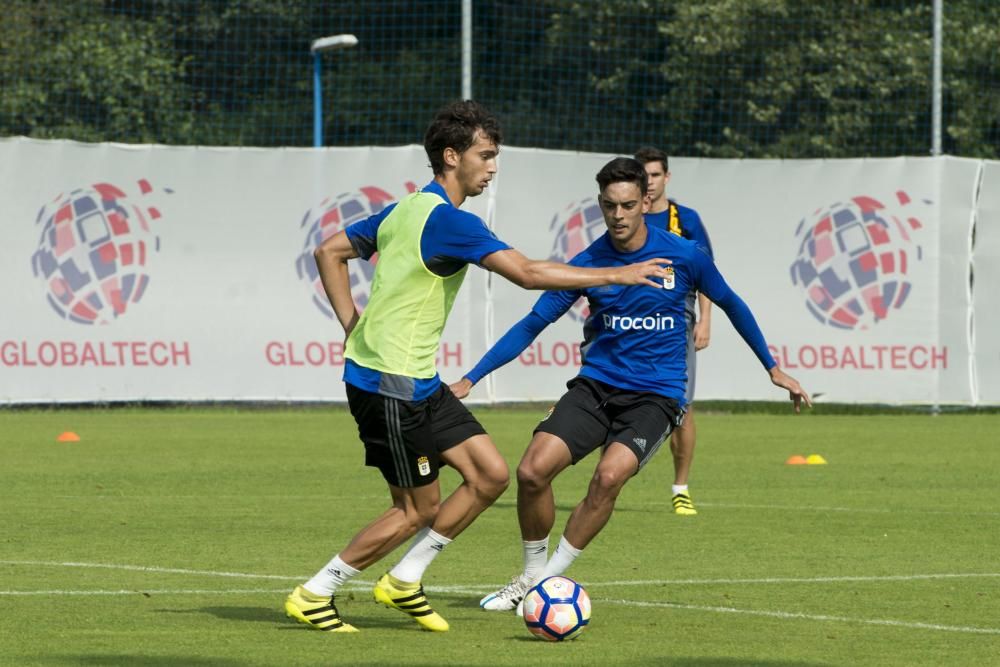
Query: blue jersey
[635,337]
[684,222]
[451,239]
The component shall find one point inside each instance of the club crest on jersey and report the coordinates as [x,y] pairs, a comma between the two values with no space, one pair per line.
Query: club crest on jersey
[423,466]
[668,280]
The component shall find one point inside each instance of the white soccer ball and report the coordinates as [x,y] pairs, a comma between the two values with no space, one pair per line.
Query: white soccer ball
[557,609]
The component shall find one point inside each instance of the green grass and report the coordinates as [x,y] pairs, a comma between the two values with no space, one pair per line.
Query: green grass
[784,565]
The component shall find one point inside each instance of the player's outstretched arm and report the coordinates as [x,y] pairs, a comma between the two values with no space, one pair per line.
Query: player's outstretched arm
[796,394]
[545,275]
[512,343]
[331,260]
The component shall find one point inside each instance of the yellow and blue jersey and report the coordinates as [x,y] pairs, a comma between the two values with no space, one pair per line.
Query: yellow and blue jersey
[428,242]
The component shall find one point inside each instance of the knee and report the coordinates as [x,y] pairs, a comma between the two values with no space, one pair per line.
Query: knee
[530,478]
[492,480]
[607,482]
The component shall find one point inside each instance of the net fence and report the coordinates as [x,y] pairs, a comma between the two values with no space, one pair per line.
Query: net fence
[723,78]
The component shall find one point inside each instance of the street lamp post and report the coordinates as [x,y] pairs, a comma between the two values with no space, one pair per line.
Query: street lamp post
[332,43]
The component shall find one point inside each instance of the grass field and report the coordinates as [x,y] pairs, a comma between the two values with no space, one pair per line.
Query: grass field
[171,536]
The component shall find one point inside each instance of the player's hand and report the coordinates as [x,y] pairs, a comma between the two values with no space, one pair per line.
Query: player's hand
[644,273]
[461,388]
[702,333]
[796,394]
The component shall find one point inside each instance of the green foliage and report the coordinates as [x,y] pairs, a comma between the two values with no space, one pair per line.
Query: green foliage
[90,76]
[724,78]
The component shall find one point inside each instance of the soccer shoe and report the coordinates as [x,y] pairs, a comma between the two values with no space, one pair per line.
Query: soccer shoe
[509,596]
[409,600]
[683,504]
[315,611]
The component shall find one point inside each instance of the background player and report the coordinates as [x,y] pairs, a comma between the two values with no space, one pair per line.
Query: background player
[667,214]
[629,394]
[409,421]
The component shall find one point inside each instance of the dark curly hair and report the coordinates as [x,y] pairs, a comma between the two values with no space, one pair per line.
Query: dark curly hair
[454,126]
[623,170]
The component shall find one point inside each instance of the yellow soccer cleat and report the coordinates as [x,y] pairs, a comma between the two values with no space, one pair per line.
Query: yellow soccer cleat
[683,504]
[409,599]
[315,611]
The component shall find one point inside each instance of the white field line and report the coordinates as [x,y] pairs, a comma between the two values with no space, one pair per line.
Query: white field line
[788,508]
[627,603]
[474,589]
[150,591]
[810,617]
[477,590]
[160,570]
[852,510]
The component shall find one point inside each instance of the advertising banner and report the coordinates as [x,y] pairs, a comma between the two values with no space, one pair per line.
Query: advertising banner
[182,273]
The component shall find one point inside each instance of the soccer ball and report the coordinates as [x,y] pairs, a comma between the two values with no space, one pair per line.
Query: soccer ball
[556,609]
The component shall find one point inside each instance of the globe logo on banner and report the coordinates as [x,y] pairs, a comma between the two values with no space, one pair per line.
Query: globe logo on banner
[854,260]
[576,227]
[325,220]
[94,251]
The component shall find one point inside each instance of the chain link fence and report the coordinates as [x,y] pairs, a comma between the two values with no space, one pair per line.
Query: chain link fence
[724,78]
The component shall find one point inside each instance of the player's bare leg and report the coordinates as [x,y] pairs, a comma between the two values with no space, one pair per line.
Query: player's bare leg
[412,509]
[616,467]
[682,443]
[314,602]
[485,477]
[546,457]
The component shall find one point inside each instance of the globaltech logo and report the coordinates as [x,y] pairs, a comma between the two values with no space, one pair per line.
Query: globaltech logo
[95,248]
[323,221]
[575,228]
[855,258]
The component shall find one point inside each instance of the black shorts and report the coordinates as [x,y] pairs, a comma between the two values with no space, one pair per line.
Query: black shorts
[593,414]
[404,439]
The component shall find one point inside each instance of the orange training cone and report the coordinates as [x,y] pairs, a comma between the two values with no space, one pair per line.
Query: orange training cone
[68,436]
[797,460]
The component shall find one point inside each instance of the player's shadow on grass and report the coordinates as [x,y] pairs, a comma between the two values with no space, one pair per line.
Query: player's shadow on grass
[366,615]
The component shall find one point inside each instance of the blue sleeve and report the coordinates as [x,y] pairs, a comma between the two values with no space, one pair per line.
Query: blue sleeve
[711,283]
[511,344]
[549,308]
[451,233]
[363,234]
[694,229]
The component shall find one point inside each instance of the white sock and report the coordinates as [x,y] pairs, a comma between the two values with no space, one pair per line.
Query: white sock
[564,556]
[330,578]
[680,488]
[425,547]
[536,553]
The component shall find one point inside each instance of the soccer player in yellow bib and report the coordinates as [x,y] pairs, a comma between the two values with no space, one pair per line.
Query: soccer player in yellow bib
[408,419]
